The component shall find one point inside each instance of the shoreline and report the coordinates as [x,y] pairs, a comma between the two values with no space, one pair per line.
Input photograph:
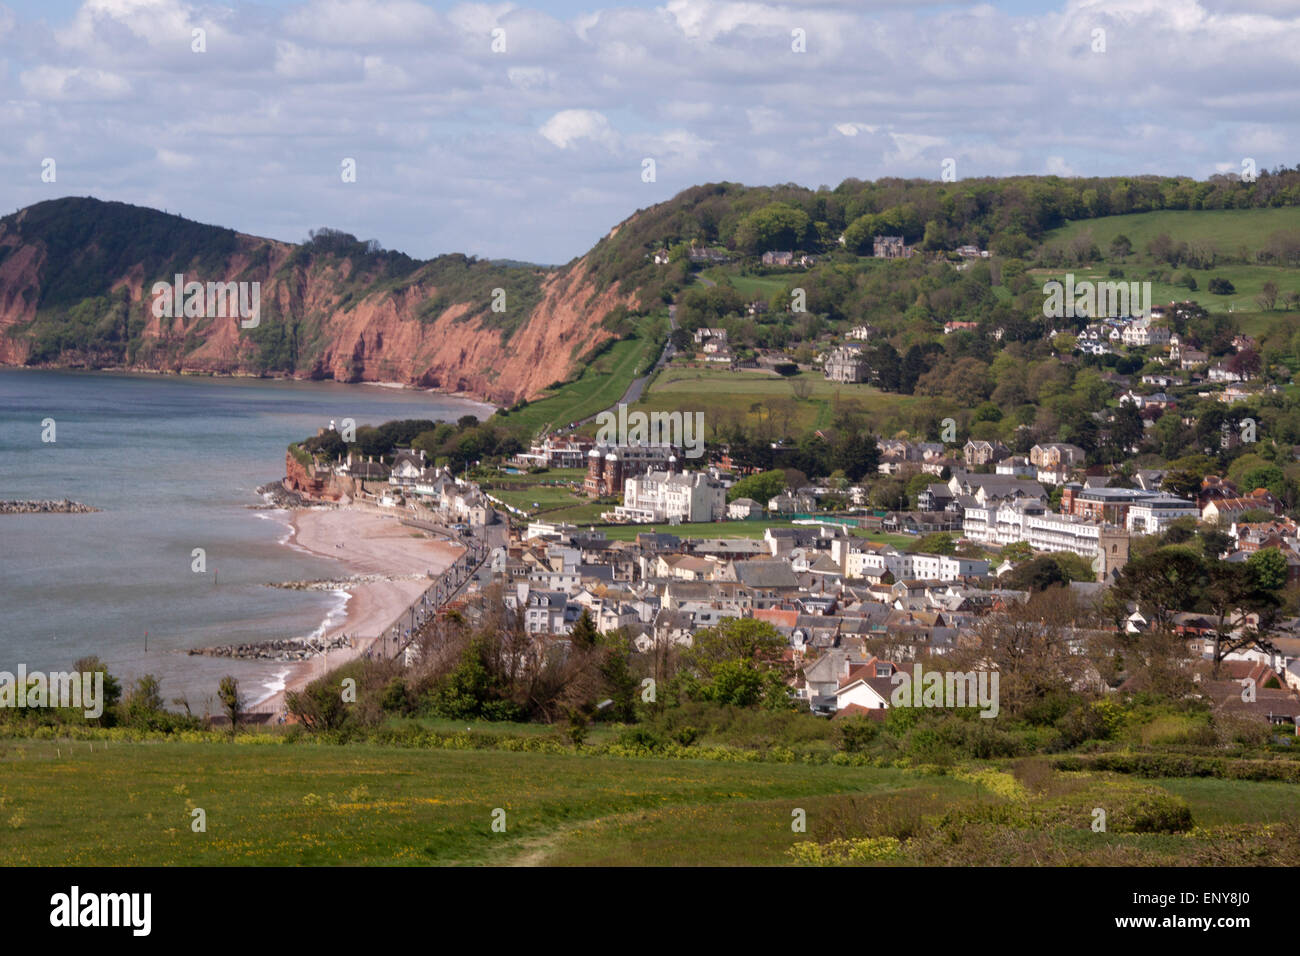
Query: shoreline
[365,542]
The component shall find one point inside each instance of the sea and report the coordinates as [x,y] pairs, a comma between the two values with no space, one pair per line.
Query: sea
[173,462]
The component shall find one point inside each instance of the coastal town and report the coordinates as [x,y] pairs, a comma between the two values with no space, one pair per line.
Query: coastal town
[857,593]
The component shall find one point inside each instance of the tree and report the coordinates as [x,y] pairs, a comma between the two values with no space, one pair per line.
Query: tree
[318,706]
[147,693]
[739,662]
[1121,247]
[1267,297]
[112,687]
[775,226]
[231,702]
[762,487]
[1163,583]
[855,454]
[1233,592]
[619,682]
[1161,248]
[1245,363]
[1184,482]
[1269,569]
[1031,647]
[1214,542]
[584,634]
[939,542]
[1037,574]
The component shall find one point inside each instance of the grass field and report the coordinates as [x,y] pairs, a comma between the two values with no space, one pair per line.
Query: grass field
[724,395]
[547,477]
[1248,281]
[755,287]
[536,499]
[132,803]
[1229,229]
[124,804]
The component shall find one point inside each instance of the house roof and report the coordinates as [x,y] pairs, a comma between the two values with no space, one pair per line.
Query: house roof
[766,574]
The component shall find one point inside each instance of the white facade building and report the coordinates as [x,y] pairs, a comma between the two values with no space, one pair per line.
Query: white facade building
[665,496]
[1154,515]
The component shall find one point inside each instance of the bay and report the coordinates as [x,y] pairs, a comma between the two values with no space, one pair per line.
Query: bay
[174,463]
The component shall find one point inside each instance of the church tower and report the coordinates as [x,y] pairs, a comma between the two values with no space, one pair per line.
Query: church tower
[1112,553]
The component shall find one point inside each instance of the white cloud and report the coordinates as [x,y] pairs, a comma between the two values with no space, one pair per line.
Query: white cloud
[568,127]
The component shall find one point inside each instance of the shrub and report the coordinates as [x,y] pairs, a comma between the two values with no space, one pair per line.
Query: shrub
[856,733]
[640,738]
[841,852]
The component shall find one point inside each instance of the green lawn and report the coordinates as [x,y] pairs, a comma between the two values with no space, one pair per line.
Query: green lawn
[536,499]
[1217,802]
[756,287]
[551,475]
[585,513]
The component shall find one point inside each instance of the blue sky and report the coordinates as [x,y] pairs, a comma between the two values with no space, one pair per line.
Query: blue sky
[535,151]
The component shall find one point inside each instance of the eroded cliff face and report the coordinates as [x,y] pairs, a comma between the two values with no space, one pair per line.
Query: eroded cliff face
[381,336]
[19,279]
[382,340]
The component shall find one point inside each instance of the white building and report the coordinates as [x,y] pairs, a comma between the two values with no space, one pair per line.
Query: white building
[1155,514]
[668,495]
[1029,521]
[859,561]
[1143,332]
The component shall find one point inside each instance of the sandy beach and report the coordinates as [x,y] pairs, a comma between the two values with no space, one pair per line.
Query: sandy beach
[364,541]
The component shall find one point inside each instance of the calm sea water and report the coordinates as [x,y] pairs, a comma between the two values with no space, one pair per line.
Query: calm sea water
[174,463]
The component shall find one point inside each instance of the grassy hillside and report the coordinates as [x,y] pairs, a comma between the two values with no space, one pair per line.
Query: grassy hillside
[601,384]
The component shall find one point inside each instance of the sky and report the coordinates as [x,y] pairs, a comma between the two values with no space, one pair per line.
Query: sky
[527,131]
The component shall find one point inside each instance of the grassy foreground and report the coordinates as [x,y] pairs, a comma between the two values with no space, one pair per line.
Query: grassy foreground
[132,803]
